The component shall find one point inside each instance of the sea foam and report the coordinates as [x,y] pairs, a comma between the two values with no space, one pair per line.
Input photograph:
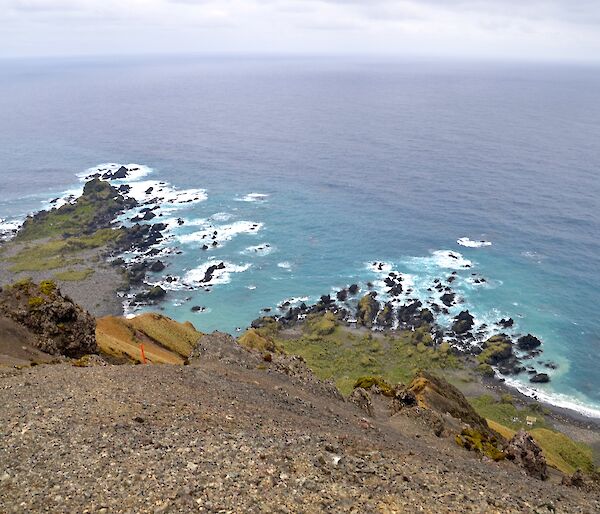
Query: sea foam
[253,197]
[221,276]
[223,232]
[469,243]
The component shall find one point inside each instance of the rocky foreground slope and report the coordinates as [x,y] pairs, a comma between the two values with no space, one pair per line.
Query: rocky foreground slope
[233,432]
[239,426]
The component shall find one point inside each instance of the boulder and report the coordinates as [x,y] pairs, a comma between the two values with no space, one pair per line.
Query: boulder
[410,314]
[154,294]
[353,289]
[448,299]
[157,266]
[463,323]
[525,452]
[60,326]
[427,316]
[120,174]
[528,343]
[577,479]
[342,295]
[540,378]
[367,310]
[496,349]
[208,274]
[385,318]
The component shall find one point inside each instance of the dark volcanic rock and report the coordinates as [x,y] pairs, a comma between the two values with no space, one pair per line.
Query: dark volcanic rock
[540,378]
[497,348]
[157,266]
[342,295]
[61,326]
[448,299]
[208,274]
[528,343]
[385,317]
[121,173]
[353,289]
[367,310]
[463,323]
[411,314]
[506,323]
[525,452]
[154,294]
[427,316]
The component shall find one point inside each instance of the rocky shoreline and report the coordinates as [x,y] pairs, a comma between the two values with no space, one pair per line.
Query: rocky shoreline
[126,265]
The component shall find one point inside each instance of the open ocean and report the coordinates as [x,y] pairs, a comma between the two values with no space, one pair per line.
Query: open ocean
[334,164]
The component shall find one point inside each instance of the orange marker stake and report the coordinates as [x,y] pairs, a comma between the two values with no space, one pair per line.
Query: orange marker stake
[143,354]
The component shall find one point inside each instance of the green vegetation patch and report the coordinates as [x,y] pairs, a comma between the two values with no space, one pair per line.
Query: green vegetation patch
[507,414]
[74,275]
[60,252]
[35,302]
[98,200]
[368,382]
[345,355]
[562,452]
[474,440]
[47,287]
[496,348]
[254,339]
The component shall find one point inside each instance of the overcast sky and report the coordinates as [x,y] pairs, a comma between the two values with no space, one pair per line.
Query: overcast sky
[523,29]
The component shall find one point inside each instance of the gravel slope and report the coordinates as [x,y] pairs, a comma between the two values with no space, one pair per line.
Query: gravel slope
[231,434]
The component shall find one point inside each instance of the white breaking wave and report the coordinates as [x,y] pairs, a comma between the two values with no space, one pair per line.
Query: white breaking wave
[157,192]
[295,300]
[221,216]
[465,241]
[68,196]
[380,267]
[557,399]
[220,233]
[8,228]
[134,171]
[220,276]
[253,197]
[451,260]
[260,250]
[284,265]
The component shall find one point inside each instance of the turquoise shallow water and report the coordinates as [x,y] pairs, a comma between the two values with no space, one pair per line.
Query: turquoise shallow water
[359,161]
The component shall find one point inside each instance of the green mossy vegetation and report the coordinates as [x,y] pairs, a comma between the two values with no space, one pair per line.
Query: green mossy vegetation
[562,452]
[506,413]
[368,382]
[71,220]
[345,355]
[35,302]
[477,441]
[59,253]
[496,348]
[254,340]
[47,287]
